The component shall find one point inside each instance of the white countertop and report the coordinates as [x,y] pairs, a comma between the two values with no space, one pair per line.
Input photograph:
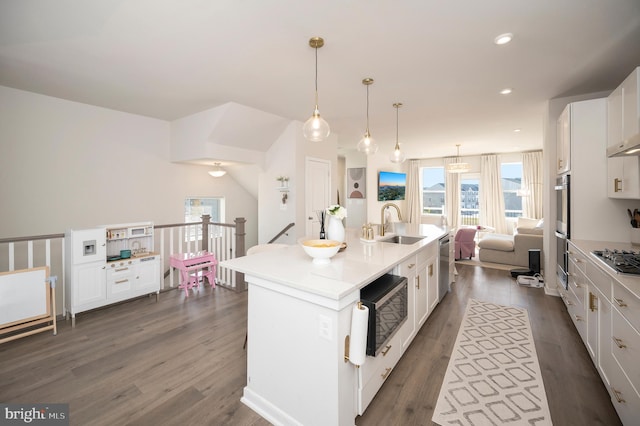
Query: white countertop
[357,265]
[630,282]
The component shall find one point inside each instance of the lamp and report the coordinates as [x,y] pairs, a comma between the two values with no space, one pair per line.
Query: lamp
[397,156]
[218,171]
[367,144]
[316,129]
[458,166]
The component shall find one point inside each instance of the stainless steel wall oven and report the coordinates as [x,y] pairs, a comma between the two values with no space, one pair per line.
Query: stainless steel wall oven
[563,226]
[387,300]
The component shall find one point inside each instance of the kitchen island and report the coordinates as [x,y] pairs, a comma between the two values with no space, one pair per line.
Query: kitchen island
[299,314]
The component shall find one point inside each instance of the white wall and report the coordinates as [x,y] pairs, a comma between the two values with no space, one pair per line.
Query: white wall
[70,165]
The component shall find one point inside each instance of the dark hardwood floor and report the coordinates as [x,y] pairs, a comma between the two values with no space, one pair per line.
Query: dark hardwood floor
[181,362]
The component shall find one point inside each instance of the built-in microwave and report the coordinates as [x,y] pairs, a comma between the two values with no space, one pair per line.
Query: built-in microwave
[387,300]
[140,231]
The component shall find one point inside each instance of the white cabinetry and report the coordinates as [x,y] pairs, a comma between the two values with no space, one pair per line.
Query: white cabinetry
[147,275]
[409,329]
[94,282]
[609,326]
[422,273]
[563,141]
[373,373]
[88,286]
[623,173]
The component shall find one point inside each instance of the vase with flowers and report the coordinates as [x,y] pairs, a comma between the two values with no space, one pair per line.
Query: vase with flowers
[335,229]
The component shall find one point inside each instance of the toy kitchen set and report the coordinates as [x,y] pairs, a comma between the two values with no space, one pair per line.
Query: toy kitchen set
[109,264]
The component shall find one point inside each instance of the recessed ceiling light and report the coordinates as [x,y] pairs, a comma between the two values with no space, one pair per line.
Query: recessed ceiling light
[516,130]
[506,91]
[503,39]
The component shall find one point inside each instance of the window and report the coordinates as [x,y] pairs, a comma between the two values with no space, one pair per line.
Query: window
[511,187]
[469,202]
[194,208]
[433,185]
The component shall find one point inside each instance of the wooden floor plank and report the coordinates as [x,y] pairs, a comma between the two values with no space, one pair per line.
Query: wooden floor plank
[180,361]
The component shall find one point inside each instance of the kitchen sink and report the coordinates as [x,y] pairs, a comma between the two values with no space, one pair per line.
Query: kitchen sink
[401,239]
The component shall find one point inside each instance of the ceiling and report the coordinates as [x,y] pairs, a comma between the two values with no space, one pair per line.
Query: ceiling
[173,58]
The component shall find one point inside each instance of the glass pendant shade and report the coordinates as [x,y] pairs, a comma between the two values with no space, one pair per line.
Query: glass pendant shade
[367,145]
[316,129]
[397,156]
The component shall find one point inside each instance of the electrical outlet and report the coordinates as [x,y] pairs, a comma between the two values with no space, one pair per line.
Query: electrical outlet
[325,326]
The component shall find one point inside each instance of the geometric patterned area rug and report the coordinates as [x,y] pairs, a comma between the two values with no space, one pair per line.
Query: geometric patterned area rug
[493,376]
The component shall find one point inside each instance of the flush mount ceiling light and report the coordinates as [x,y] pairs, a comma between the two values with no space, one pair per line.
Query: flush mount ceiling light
[316,129]
[506,91]
[503,39]
[397,156]
[367,144]
[458,166]
[217,171]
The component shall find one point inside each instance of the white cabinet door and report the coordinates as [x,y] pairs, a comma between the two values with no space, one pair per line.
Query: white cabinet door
[432,284]
[422,303]
[623,177]
[408,330]
[563,142]
[614,117]
[630,109]
[89,284]
[147,276]
[592,323]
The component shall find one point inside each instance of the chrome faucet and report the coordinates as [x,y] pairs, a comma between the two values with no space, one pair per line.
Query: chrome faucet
[382,216]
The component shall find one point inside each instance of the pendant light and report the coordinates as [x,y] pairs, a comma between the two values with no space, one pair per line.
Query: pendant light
[458,166]
[218,171]
[367,144]
[397,156]
[316,129]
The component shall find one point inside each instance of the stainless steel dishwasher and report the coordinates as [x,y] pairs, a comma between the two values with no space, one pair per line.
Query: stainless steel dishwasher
[443,274]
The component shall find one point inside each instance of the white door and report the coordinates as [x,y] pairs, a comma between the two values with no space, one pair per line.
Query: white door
[317,192]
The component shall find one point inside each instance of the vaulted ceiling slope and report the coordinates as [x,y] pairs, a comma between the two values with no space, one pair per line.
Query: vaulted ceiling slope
[175,58]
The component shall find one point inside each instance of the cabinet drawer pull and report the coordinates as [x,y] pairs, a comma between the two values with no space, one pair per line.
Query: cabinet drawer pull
[122,269]
[618,395]
[411,265]
[431,270]
[592,302]
[619,343]
[386,373]
[121,281]
[418,282]
[617,185]
[567,301]
[385,350]
[578,318]
[620,303]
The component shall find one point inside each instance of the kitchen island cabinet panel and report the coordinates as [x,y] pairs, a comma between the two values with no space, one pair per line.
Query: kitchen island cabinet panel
[300,316]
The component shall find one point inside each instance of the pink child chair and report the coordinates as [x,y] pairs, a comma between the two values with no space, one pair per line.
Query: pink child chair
[465,244]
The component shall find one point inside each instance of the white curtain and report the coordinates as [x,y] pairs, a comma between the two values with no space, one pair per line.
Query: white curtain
[532,184]
[413,192]
[491,197]
[452,194]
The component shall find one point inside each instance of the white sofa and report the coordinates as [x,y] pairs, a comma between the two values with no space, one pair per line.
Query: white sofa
[513,249]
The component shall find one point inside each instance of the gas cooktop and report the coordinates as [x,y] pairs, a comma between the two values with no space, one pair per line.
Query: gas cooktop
[621,261]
